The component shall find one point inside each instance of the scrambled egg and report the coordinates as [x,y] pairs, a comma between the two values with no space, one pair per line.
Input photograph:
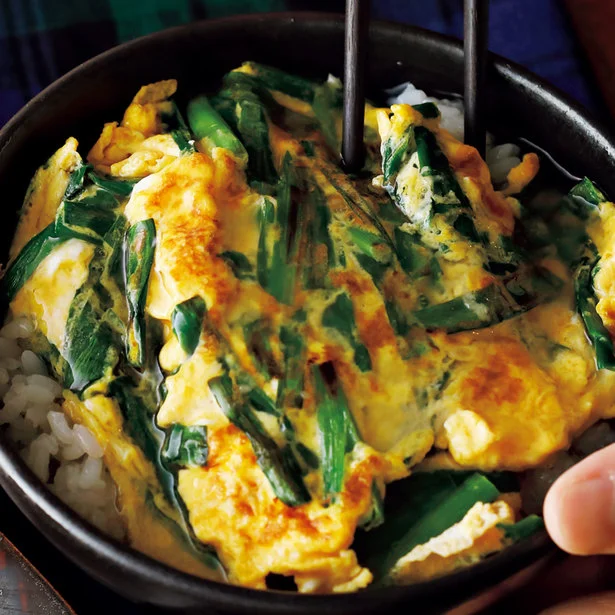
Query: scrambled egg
[48,294]
[45,195]
[232,507]
[135,480]
[136,147]
[504,398]
[466,542]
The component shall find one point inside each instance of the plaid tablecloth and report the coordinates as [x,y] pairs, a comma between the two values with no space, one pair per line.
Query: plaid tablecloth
[42,39]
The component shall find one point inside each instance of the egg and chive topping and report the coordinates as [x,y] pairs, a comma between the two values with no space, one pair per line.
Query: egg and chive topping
[266,348]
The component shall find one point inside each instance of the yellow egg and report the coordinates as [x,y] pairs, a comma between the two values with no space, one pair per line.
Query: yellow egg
[405,397]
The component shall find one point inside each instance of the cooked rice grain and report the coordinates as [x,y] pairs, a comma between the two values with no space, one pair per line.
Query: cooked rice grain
[67,457]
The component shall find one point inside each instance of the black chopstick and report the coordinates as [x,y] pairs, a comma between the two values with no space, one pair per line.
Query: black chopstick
[476,27]
[355,54]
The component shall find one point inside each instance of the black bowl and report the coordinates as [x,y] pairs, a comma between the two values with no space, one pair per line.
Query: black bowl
[198,55]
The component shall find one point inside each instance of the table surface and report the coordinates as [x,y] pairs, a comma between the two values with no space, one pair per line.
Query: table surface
[21,592]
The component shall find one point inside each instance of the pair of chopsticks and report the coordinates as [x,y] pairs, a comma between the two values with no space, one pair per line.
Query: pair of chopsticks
[476,19]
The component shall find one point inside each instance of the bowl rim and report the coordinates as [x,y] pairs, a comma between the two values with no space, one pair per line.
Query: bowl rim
[14,474]
[512,71]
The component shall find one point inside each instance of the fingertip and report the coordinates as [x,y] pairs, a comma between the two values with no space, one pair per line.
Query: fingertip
[552,513]
[579,509]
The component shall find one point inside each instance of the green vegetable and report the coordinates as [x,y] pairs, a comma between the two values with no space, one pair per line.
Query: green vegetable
[94,327]
[77,179]
[287,486]
[73,220]
[414,258]
[495,303]
[434,164]
[247,116]
[183,141]
[394,154]
[418,509]
[325,99]
[247,398]
[187,323]
[90,343]
[119,187]
[447,205]
[566,226]
[370,244]
[275,79]
[211,130]
[428,110]
[138,407]
[266,240]
[186,447]
[522,529]
[397,318]
[255,398]
[176,125]
[367,239]
[309,457]
[375,515]
[239,263]
[30,257]
[84,213]
[320,251]
[449,198]
[278,246]
[582,202]
[308,148]
[360,207]
[339,316]
[326,109]
[586,302]
[139,411]
[339,436]
[180,528]
[257,335]
[504,480]
[588,194]
[291,386]
[333,427]
[237,83]
[139,256]
[97,198]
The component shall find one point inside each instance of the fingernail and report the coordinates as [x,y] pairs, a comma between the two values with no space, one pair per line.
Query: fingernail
[585,520]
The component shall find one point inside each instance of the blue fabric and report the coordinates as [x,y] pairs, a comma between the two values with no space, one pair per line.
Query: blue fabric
[42,39]
[534,33]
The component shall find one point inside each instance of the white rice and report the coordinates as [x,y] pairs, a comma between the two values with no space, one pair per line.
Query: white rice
[66,457]
[500,158]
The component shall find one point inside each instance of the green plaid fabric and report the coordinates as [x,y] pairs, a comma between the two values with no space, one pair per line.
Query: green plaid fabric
[40,40]
[132,18]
